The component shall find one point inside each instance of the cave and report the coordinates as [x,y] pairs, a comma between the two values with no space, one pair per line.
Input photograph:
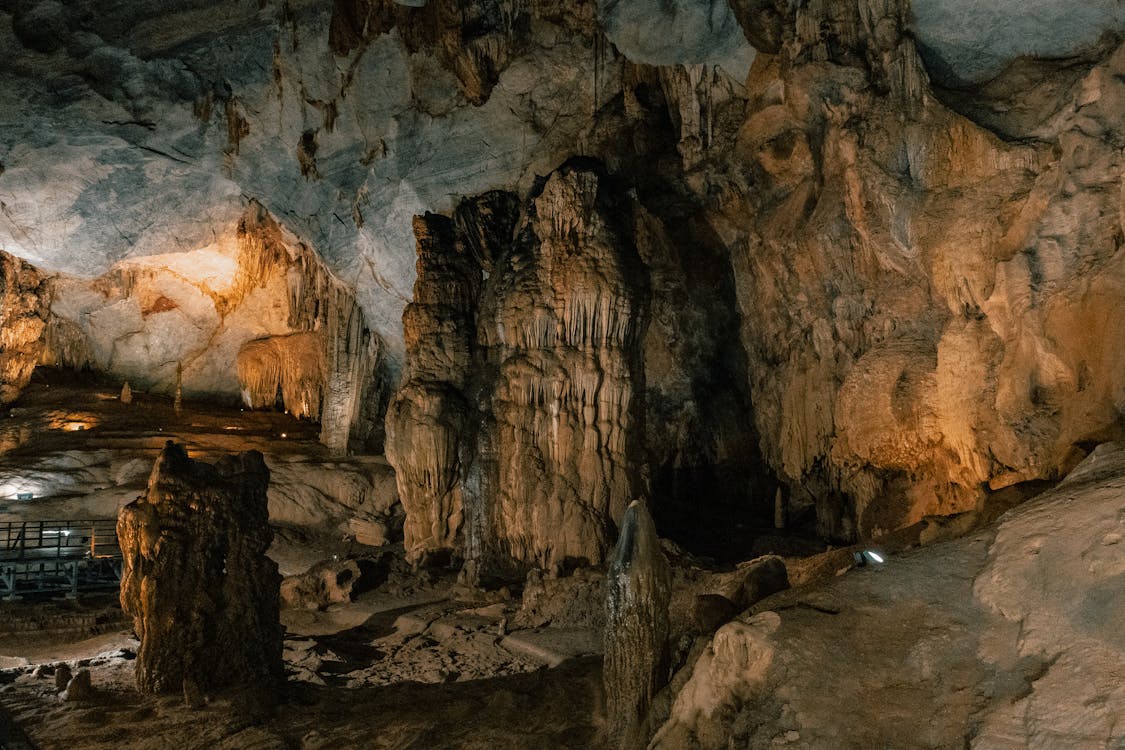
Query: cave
[534,374]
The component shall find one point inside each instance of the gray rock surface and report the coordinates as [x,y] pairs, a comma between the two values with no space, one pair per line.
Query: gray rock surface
[141,128]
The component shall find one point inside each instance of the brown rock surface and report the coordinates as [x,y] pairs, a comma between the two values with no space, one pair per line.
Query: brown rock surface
[1008,637]
[638,589]
[925,306]
[541,360]
[202,593]
[23,313]
[326,583]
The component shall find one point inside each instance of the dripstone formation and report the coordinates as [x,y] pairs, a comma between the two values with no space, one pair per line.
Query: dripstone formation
[519,414]
[638,589]
[196,581]
[24,298]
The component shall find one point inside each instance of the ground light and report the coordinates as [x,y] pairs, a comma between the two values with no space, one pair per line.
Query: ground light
[871,557]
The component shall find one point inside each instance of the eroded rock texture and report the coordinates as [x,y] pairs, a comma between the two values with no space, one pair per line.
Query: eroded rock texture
[638,590]
[926,307]
[257,312]
[331,369]
[23,312]
[561,324]
[196,580]
[519,413]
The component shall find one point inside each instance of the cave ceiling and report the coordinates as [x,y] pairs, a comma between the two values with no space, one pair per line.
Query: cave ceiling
[142,128]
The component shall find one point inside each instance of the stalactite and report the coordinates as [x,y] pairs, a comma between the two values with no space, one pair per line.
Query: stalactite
[290,366]
[337,383]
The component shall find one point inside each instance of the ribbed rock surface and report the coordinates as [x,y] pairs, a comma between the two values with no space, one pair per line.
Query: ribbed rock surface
[563,322]
[920,298]
[638,590]
[24,299]
[196,580]
[543,361]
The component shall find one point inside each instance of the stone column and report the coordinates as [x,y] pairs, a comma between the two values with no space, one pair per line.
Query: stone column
[638,589]
[196,580]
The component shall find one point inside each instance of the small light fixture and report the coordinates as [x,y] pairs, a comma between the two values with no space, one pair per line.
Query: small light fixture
[868,557]
[284,435]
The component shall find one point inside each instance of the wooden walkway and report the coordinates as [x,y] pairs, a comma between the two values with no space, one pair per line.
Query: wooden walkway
[69,556]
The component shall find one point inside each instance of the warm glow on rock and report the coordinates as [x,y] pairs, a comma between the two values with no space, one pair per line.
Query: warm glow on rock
[214,267]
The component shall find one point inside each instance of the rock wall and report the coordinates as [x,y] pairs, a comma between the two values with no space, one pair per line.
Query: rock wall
[915,291]
[23,313]
[196,580]
[256,313]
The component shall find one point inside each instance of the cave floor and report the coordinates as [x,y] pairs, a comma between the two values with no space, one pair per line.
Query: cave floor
[413,660]
[385,670]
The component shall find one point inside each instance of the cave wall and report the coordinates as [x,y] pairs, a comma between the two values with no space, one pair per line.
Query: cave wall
[861,257]
[921,304]
[23,318]
[558,367]
[926,306]
[256,317]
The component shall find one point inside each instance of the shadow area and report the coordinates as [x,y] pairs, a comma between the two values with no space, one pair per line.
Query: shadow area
[549,708]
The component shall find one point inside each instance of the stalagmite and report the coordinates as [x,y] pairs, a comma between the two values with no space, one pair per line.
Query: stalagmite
[638,588]
[196,580]
[178,398]
[126,396]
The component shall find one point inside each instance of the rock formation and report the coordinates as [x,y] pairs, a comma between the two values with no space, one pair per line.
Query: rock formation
[638,589]
[864,248]
[257,312]
[1007,638]
[541,359]
[23,311]
[913,287]
[196,580]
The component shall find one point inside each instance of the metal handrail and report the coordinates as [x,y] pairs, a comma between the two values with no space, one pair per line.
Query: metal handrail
[64,555]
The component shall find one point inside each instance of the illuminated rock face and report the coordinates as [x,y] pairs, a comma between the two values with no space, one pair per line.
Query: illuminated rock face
[202,593]
[24,296]
[255,313]
[517,413]
[561,324]
[919,298]
[638,589]
[909,301]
